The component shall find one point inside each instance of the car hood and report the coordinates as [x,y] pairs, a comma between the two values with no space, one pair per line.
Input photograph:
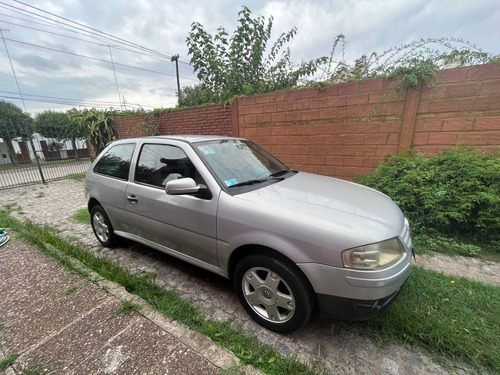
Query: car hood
[329,199]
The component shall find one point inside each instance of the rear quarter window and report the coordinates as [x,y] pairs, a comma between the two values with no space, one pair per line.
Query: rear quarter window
[116,161]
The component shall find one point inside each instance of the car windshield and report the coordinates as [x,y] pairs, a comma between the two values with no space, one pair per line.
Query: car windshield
[237,162]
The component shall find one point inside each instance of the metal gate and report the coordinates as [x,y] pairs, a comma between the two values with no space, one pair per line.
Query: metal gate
[28,157]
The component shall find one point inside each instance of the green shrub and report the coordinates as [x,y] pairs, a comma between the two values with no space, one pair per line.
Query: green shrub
[453,196]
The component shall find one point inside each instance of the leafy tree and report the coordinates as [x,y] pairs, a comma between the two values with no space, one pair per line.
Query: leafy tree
[13,123]
[196,95]
[53,125]
[59,126]
[238,66]
[97,125]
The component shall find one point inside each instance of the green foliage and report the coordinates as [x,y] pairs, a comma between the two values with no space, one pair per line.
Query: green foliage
[52,124]
[197,95]
[82,216]
[13,120]
[97,125]
[454,197]
[8,361]
[147,128]
[13,123]
[229,67]
[237,65]
[415,71]
[128,308]
[414,61]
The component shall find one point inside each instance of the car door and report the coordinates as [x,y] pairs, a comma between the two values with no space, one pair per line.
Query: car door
[108,182]
[180,224]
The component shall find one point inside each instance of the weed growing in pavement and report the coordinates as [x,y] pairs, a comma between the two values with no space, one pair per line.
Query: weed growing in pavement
[235,370]
[70,291]
[128,307]
[8,361]
[454,319]
[39,368]
[82,216]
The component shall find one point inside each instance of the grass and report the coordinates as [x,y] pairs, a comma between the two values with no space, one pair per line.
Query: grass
[82,216]
[449,317]
[453,319]
[9,361]
[76,176]
[70,291]
[128,308]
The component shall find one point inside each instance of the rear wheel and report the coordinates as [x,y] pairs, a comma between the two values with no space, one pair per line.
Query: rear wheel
[102,227]
[273,292]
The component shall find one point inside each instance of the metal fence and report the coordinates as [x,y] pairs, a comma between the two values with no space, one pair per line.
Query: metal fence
[28,158]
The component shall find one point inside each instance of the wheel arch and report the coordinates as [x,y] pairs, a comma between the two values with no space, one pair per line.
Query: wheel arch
[92,203]
[241,252]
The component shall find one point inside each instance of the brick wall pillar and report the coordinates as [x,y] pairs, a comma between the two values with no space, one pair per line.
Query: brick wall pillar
[409,119]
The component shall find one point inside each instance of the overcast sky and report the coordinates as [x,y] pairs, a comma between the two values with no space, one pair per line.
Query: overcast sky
[61,50]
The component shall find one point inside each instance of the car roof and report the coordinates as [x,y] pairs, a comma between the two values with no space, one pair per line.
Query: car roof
[187,138]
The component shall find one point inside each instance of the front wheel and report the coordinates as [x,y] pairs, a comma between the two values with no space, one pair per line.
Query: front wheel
[273,292]
[102,227]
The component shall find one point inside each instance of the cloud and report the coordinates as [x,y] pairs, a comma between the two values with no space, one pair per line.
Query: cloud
[58,69]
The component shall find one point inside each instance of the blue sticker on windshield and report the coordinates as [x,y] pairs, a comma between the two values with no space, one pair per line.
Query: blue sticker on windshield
[230,182]
[206,150]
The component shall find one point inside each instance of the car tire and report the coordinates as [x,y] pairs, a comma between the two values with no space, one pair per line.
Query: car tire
[273,292]
[102,227]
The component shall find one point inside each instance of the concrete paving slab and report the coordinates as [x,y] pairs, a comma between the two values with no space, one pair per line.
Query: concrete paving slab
[57,320]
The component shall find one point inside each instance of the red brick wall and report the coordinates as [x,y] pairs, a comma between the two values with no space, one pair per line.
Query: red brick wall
[344,130]
[464,107]
[333,131]
[210,120]
[347,129]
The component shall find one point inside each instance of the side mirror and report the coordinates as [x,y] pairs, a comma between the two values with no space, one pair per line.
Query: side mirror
[183,186]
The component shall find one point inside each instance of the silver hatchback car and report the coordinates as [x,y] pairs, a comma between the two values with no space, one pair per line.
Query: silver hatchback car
[291,242]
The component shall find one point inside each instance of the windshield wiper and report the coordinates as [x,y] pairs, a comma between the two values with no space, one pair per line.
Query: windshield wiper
[276,176]
[250,182]
[281,172]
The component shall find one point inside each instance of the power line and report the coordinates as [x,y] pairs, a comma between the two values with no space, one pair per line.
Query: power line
[46,20]
[85,28]
[12,67]
[154,56]
[75,102]
[93,58]
[67,101]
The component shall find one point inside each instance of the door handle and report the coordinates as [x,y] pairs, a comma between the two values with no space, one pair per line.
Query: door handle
[132,198]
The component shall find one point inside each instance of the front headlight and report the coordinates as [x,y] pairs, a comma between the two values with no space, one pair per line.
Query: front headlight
[375,256]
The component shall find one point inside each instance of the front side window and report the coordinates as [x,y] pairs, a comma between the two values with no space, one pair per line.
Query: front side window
[159,164]
[116,161]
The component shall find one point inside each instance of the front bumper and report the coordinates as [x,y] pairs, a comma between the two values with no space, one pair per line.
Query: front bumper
[341,308]
[357,284]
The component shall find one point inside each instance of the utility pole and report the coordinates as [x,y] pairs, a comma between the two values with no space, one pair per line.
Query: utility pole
[176,59]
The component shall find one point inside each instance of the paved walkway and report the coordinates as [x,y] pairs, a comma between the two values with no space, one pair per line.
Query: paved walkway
[336,347]
[61,324]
